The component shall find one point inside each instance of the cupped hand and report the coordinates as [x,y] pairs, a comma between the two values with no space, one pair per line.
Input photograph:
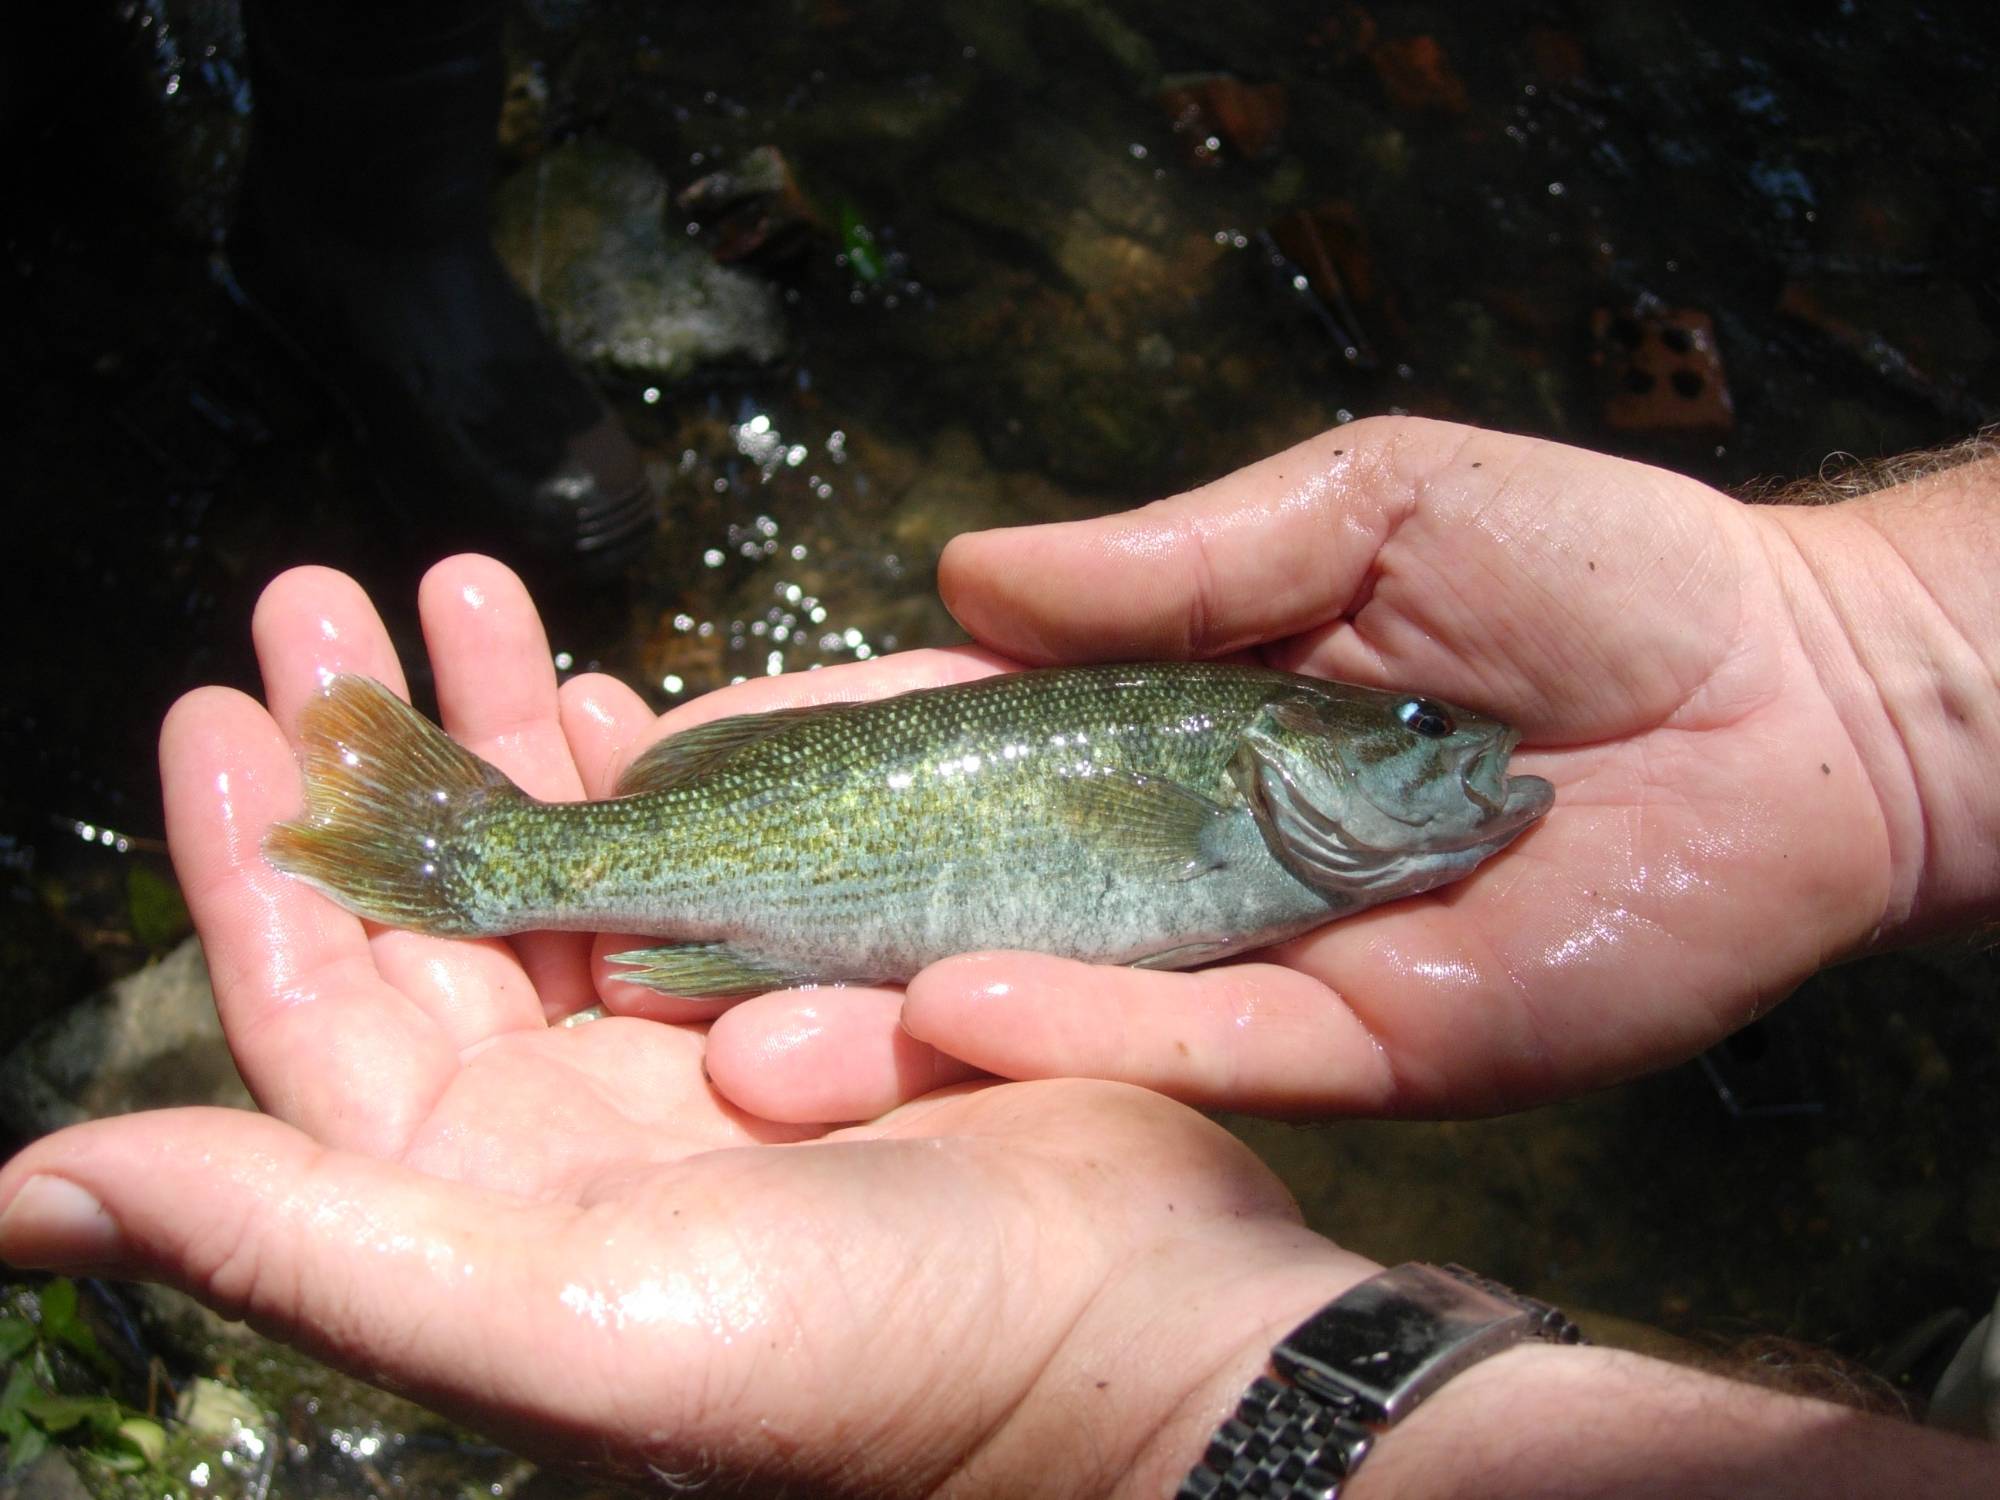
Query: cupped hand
[1715,837]
[562,1233]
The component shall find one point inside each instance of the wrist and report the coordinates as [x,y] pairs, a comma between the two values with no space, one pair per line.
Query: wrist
[1893,600]
[1127,1404]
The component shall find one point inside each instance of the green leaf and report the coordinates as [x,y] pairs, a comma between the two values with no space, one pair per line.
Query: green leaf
[20,1384]
[15,1335]
[857,241]
[60,1413]
[63,1324]
[58,1303]
[144,1437]
[159,915]
[26,1448]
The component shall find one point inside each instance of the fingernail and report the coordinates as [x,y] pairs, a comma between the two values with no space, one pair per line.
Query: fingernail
[53,1225]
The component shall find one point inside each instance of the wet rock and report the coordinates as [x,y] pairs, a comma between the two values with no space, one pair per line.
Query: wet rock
[1210,109]
[150,1041]
[524,109]
[1350,32]
[1941,345]
[583,229]
[1418,77]
[1060,351]
[50,1477]
[753,210]
[1124,47]
[1661,371]
[1556,56]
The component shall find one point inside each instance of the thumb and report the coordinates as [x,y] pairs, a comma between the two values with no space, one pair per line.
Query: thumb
[343,1255]
[1268,551]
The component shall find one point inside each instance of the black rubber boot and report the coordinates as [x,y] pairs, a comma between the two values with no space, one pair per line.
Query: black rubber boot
[362,237]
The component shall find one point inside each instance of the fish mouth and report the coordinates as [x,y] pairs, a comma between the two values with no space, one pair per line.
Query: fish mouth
[1505,802]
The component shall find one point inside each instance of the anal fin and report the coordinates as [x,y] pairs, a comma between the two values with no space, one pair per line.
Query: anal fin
[1185,956]
[704,971]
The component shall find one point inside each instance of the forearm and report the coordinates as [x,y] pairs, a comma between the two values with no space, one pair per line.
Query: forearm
[1897,599]
[1568,1422]
[1572,1422]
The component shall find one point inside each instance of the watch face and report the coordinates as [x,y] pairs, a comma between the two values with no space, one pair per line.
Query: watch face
[1395,1338]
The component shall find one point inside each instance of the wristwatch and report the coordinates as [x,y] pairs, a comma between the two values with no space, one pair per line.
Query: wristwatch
[1356,1367]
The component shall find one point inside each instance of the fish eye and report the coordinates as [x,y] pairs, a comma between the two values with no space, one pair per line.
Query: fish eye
[1421,716]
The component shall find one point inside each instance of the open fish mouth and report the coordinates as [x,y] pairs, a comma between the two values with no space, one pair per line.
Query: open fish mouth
[1484,779]
[1515,801]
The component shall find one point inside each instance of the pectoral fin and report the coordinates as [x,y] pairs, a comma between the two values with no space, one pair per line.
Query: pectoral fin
[705,971]
[1160,823]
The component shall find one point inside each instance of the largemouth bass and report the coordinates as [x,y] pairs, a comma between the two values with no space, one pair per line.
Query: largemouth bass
[1162,814]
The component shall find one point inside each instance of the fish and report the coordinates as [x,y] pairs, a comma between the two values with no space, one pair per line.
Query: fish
[1156,814]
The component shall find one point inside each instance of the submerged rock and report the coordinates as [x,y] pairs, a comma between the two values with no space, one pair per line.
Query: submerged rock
[150,1041]
[583,229]
[1662,371]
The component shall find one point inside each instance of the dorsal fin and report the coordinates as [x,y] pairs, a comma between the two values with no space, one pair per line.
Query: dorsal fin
[680,758]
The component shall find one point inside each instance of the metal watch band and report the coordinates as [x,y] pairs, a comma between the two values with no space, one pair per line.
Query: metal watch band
[1357,1366]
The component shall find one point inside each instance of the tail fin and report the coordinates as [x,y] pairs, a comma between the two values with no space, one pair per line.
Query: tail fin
[387,794]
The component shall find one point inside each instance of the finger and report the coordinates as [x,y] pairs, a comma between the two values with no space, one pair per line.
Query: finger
[824,1056]
[309,624]
[496,687]
[1267,551]
[603,720]
[852,682]
[365,1264]
[496,681]
[1249,1036]
[320,1038]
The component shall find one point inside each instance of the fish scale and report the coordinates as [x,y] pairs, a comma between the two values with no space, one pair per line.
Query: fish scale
[1160,813]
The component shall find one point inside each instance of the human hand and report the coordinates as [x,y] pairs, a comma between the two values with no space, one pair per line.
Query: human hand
[562,1234]
[1717,833]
